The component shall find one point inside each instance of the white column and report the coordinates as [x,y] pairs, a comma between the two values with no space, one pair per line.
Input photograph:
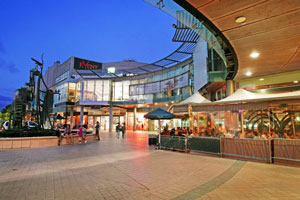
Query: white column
[134,118]
[81,115]
[111,107]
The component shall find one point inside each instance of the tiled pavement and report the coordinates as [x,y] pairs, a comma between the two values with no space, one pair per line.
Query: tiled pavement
[128,169]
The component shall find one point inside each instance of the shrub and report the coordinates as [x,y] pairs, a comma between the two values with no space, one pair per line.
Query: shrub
[35,132]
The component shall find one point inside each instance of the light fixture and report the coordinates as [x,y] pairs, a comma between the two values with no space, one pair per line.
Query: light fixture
[167,104]
[172,101]
[254,54]
[240,19]
[111,70]
[248,73]
[261,79]
[296,81]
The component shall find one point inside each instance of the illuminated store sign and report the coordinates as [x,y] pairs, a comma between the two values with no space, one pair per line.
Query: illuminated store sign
[82,64]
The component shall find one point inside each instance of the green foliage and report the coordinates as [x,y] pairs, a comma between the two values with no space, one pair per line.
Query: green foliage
[4,115]
[27,133]
[7,109]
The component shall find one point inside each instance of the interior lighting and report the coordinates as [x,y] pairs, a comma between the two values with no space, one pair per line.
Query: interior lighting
[261,79]
[240,19]
[298,118]
[296,81]
[248,73]
[167,104]
[254,54]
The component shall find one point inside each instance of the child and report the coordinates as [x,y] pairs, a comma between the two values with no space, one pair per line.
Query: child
[80,135]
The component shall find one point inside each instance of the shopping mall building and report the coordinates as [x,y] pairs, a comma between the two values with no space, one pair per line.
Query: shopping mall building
[225,45]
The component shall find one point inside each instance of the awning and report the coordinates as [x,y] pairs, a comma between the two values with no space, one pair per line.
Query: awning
[196,98]
[246,100]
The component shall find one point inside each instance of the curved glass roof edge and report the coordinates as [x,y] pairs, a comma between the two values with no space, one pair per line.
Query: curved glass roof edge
[181,54]
[189,21]
[188,31]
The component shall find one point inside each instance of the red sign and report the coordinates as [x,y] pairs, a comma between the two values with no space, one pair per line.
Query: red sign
[83,64]
[87,65]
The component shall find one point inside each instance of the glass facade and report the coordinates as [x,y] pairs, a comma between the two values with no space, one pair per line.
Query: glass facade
[172,85]
[96,90]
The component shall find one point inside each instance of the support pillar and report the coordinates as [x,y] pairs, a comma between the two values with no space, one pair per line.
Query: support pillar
[198,127]
[134,119]
[111,107]
[81,115]
[110,118]
[230,87]
[81,99]
[71,118]
[242,125]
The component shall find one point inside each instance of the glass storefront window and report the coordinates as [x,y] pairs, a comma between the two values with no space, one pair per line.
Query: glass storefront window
[126,90]
[164,76]
[171,74]
[71,92]
[118,91]
[142,81]
[78,91]
[156,78]
[89,90]
[106,90]
[132,82]
[98,90]
[62,97]
[149,79]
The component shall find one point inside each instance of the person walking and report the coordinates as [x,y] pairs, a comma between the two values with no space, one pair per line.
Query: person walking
[97,130]
[68,134]
[123,130]
[118,130]
[58,135]
[81,137]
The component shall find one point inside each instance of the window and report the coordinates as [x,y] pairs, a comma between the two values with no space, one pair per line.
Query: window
[62,77]
[98,90]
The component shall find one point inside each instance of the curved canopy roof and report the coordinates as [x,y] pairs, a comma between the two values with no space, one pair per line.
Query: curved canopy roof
[194,99]
[182,53]
[271,28]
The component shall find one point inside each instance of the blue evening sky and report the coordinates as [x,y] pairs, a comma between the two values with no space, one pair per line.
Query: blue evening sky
[100,30]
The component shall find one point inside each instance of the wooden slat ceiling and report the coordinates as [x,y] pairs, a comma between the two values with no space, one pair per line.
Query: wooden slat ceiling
[272,28]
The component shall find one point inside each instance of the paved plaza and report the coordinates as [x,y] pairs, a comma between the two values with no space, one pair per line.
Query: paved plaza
[129,169]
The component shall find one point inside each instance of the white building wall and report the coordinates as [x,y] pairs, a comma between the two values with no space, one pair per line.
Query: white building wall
[200,64]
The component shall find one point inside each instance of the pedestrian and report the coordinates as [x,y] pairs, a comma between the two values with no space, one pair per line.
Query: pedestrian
[58,135]
[123,130]
[80,133]
[118,130]
[97,130]
[68,134]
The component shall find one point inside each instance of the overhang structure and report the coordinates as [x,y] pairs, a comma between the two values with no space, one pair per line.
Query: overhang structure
[271,28]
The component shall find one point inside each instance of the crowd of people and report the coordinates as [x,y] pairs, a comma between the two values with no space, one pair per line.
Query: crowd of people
[62,131]
[65,131]
[220,131]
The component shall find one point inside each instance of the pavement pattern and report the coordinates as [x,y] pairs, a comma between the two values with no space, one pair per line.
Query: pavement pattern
[129,169]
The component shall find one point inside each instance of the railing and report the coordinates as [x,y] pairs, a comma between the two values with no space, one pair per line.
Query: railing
[173,143]
[266,150]
[286,149]
[204,144]
[255,149]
